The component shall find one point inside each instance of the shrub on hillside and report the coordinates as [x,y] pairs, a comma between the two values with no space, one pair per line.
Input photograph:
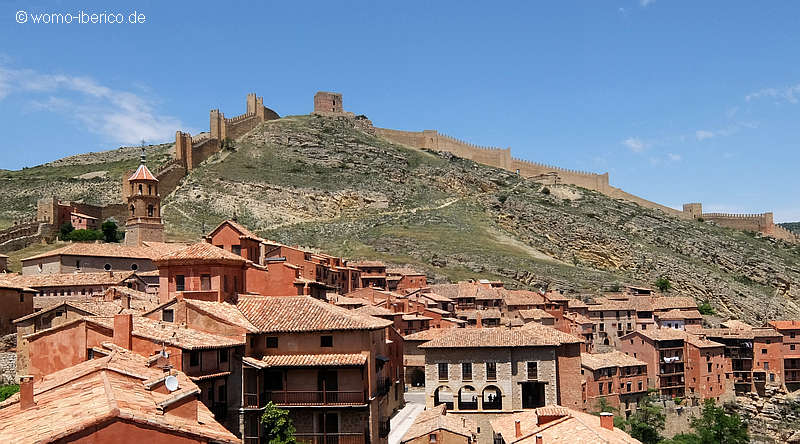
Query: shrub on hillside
[85,235]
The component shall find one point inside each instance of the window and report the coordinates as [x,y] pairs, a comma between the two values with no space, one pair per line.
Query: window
[466,371]
[236,249]
[602,327]
[134,267]
[533,370]
[223,356]
[326,341]
[252,342]
[600,387]
[491,371]
[107,267]
[150,211]
[709,367]
[194,359]
[205,282]
[791,335]
[168,315]
[272,342]
[443,371]
[180,283]
[21,297]
[766,366]
[640,385]
[791,346]
[610,387]
[763,351]
[432,437]
[628,386]
[78,264]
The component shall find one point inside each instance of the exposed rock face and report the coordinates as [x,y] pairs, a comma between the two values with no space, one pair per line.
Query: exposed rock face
[772,418]
[325,182]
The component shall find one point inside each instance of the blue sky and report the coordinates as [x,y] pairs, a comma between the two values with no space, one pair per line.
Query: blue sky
[680,101]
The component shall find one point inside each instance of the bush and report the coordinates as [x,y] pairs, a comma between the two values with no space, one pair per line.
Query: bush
[278,425]
[109,229]
[714,426]
[7,390]
[705,308]
[546,191]
[663,284]
[86,235]
[65,229]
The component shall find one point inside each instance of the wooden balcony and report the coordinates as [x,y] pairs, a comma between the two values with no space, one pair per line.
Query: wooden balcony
[305,398]
[330,438]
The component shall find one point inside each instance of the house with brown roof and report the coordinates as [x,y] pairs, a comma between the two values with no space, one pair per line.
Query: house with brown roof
[582,327]
[65,286]
[790,329]
[558,425]
[482,372]
[678,319]
[96,257]
[619,379]
[371,273]
[119,397]
[435,425]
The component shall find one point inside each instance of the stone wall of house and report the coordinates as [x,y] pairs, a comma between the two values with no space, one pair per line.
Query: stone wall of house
[8,368]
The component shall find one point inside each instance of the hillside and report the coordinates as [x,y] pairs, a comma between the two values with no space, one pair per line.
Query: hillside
[93,178]
[324,183]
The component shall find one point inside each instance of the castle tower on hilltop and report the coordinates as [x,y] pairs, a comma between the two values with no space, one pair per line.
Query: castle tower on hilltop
[144,206]
[327,103]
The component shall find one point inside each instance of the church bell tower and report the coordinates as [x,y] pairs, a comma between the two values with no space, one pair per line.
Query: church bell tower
[144,208]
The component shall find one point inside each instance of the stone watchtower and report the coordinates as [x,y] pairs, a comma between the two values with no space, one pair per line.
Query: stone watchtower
[328,102]
[144,208]
[694,210]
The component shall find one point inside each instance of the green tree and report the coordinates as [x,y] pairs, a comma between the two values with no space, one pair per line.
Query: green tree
[714,426]
[647,422]
[278,425]
[7,390]
[705,308]
[109,228]
[65,229]
[85,235]
[603,406]
[663,284]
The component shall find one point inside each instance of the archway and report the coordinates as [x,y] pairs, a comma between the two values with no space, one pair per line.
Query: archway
[467,398]
[443,395]
[417,377]
[492,398]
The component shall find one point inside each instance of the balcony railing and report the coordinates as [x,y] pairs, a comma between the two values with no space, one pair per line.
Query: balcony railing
[330,438]
[742,377]
[317,397]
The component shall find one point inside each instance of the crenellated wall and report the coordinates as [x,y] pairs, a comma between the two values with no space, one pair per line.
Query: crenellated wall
[760,222]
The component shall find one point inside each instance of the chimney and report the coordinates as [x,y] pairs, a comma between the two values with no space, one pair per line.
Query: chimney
[123,330]
[607,420]
[125,301]
[538,438]
[517,428]
[478,321]
[26,392]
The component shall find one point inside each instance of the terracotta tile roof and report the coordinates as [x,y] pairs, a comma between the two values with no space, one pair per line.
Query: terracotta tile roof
[9,285]
[488,293]
[436,297]
[102,250]
[366,264]
[345,301]
[578,318]
[176,335]
[84,307]
[676,314]
[405,271]
[611,305]
[243,231]
[576,303]
[735,323]
[435,419]
[425,335]
[523,297]
[142,173]
[723,333]
[487,313]
[670,302]
[785,325]
[283,314]
[438,311]
[530,335]
[595,361]
[701,342]
[535,313]
[555,296]
[200,252]
[91,393]
[323,360]
[559,425]
[661,334]
[38,281]
[223,311]
[372,310]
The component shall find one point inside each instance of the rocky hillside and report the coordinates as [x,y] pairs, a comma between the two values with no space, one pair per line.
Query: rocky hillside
[93,178]
[323,182]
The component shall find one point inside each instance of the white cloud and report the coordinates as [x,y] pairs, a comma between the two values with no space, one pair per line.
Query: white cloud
[635,144]
[120,116]
[788,94]
[704,134]
[646,3]
[674,157]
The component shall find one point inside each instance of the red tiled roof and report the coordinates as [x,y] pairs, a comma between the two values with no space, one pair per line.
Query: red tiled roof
[39,281]
[147,251]
[568,427]
[283,314]
[324,360]
[425,335]
[595,361]
[224,312]
[200,252]
[416,317]
[172,334]
[535,313]
[372,310]
[436,418]
[676,314]
[92,393]
[578,318]
[530,335]
[142,173]
[523,297]
[8,285]
[786,325]
[670,302]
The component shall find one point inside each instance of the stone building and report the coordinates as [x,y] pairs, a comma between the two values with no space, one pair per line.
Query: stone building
[482,373]
[619,379]
[144,205]
[437,426]
[558,425]
[94,257]
[16,301]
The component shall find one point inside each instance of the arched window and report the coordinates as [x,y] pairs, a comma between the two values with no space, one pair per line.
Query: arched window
[107,267]
[467,398]
[443,395]
[140,188]
[132,209]
[492,398]
[150,211]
